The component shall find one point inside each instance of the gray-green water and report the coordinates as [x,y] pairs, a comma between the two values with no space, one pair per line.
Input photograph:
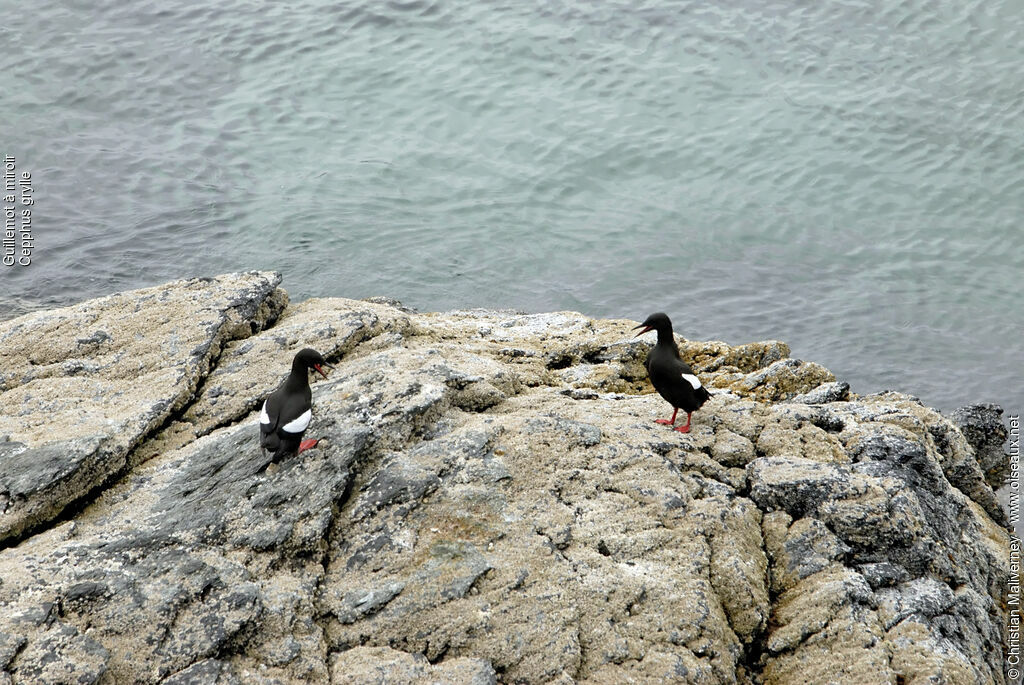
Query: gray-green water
[845,176]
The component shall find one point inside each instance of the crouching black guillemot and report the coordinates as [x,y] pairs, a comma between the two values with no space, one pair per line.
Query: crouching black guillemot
[286,414]
[671,376]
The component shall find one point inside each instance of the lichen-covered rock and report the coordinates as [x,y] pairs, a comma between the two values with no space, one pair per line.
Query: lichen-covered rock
[799,549]
[83,385]
[836,391]
[781,380]
[250,369]
[491,501]
[383,665]
[982,426]
[754,356]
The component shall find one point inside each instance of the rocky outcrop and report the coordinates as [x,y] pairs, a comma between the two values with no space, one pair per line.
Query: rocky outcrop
[491,502]
[982,426]
[83,385]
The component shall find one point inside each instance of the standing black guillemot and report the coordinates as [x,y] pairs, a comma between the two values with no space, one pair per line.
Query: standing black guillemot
[671,376]
[286,413]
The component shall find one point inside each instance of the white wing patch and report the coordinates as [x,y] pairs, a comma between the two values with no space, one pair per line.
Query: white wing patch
[692,380]
[299,424]
[263,414]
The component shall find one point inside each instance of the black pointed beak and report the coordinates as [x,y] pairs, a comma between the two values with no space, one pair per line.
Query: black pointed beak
[645,329]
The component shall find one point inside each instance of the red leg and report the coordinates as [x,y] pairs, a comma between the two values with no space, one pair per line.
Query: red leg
[669,422]
[686,428]
[307,444]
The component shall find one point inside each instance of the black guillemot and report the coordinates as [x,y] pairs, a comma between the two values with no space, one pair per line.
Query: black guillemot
[671,376]
[286,413]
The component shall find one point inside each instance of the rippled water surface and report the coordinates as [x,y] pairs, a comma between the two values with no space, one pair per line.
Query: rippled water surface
[845,176]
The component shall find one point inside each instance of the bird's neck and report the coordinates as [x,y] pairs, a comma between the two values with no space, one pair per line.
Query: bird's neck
[299,377]
[666,339]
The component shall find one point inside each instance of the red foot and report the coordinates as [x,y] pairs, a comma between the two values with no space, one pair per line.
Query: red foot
[307,444]
[668,422]
[686,428]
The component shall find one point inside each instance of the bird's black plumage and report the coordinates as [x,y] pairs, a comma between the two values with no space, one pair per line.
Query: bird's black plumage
[286,413]
[670,375]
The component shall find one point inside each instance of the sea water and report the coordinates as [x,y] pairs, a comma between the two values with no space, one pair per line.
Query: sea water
[846,176]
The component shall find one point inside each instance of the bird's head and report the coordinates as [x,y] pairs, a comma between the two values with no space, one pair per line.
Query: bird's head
[312,359]
[655,322]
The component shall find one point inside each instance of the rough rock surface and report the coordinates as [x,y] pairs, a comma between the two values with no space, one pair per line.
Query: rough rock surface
[982,426]
[492,502]
[83,385]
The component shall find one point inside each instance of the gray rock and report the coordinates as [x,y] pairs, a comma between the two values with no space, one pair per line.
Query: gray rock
[60,654]
[146,353]
[250,369]
[800,549]
[836,391]
[10,645]
[382,665]
[205,672]
[397,482]
[360,603]
[490,498]
[883,574]
[799,486]
[755,356]
[925,597]
[982,426]
[962,468]
[782,380]
[732,449]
